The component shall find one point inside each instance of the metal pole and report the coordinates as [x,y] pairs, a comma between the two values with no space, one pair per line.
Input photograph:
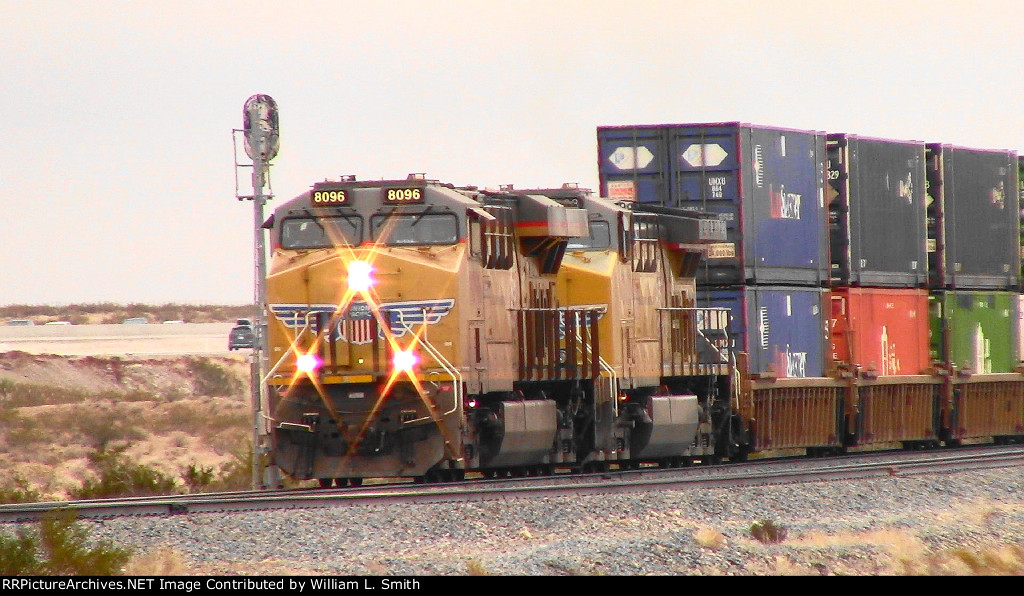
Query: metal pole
[261,144]
[260,297]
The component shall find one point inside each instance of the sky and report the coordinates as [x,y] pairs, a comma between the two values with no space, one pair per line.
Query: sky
[117,161]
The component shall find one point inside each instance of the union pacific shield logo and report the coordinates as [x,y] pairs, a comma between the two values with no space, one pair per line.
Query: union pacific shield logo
[356,325]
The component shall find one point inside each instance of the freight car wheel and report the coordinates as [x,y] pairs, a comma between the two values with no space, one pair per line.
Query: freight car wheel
[341,482]
[325,482]
[355,481]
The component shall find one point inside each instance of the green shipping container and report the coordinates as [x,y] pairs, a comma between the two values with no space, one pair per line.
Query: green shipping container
[976,330]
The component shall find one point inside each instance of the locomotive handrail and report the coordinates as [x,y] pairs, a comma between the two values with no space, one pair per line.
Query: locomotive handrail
[290,350]
[613,379]
[728,358]
[440,359]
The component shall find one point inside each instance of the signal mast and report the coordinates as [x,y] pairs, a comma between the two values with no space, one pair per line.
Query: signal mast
[261,140]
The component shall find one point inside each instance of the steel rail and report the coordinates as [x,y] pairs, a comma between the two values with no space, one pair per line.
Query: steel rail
[758,473]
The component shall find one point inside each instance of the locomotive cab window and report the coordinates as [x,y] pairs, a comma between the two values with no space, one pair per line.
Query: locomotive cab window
[600,238]
[415,229]
[320,232]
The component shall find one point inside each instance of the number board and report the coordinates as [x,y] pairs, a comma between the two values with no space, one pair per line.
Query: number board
[325,196]
[401,196]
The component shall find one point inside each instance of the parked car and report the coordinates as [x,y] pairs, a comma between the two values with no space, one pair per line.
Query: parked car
[58,323]
[21,322]
[136,321]
[241,336]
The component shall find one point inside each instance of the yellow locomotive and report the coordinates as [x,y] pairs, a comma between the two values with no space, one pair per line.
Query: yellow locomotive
[418,329]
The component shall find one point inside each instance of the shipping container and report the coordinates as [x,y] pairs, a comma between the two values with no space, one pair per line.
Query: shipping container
[881,330]
[767,184]
[976,331]
[876,198]
[973,218]
[781,328]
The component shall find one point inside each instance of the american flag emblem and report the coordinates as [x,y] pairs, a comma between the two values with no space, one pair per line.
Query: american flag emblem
[356,326]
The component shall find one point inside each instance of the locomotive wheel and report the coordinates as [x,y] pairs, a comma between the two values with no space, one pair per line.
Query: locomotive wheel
[739,457]
[488,474]
[341,482]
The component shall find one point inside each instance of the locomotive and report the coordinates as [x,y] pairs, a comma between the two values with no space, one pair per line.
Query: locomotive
[423,330]
[418,329]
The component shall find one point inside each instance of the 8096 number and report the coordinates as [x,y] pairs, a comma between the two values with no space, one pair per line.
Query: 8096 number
[403,195]
[329,197]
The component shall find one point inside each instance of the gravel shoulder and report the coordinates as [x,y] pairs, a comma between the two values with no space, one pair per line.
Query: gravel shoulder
[963,523]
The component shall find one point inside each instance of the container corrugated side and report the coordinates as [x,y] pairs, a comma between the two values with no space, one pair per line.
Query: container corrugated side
[885,330]
[877,217]
[973,218]
[781,328]
[976,330]
[768,185]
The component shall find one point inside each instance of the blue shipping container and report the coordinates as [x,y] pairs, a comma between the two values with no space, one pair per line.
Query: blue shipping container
[781,328]
[767,184]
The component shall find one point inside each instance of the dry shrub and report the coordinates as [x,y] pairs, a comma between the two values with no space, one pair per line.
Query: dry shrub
[159,562]
[709,538]
[767,531]
[992,560]
[476,568]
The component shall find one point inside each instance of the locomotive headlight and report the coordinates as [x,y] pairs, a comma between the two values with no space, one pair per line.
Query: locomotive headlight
[359,279]
[404,360]
[307,363]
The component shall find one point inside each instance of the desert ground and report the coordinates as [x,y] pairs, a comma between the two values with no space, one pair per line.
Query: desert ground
[173,396]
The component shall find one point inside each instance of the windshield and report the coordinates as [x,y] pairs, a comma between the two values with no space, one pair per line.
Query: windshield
[415,229]
[600,238]
[321,232]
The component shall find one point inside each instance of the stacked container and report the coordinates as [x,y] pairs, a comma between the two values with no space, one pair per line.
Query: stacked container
[879,258]
[974,243]
[768,186]
[973,219]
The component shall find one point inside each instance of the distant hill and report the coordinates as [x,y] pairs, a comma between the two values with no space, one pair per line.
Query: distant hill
[111,313]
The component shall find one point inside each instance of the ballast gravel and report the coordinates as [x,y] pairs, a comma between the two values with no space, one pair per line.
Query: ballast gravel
[959,523]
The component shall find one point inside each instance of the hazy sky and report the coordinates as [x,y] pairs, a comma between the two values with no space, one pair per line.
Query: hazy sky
[116,161]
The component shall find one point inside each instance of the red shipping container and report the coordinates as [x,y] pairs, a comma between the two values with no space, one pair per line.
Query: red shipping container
[881,329]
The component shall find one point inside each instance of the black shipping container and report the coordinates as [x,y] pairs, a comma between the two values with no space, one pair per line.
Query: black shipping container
[767,184]
[973,218]
[876,194]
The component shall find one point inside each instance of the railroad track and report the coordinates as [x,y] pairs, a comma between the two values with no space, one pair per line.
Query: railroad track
[761,472]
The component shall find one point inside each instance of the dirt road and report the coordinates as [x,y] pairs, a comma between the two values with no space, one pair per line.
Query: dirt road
[118,340]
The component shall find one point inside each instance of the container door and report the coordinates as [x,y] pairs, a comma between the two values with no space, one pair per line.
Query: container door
[706,170]
[633,164]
